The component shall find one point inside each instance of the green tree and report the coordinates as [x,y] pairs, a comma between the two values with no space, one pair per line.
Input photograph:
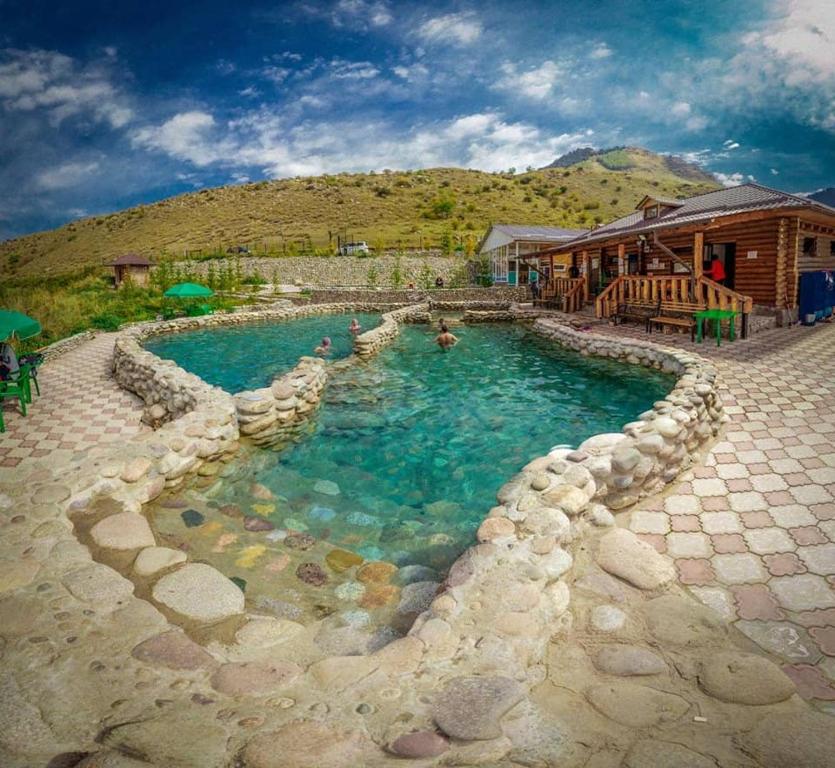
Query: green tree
[373,275]
[425,280]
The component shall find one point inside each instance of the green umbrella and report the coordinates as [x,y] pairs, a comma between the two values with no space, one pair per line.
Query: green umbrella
[17,324]
[188,291]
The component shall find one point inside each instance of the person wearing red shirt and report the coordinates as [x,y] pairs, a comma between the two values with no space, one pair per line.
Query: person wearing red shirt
[717,271]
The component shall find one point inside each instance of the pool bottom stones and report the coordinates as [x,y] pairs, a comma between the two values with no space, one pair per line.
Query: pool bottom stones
[509,664]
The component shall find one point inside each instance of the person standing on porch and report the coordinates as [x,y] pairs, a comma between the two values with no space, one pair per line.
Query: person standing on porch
[717,271]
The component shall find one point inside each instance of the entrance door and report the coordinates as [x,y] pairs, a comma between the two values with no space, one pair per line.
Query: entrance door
[730,264]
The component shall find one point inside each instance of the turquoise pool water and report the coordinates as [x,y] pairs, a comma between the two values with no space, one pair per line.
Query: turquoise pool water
[409,450]
[236,358]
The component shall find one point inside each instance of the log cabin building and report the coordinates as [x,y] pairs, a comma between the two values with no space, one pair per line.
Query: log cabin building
[131,269]
[764,238]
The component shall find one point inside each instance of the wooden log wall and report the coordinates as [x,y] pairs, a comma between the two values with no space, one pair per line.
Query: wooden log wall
[822,256]
[755,276]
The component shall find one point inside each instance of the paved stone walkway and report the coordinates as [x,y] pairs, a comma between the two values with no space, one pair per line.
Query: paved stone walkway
[81,405]
[752,531]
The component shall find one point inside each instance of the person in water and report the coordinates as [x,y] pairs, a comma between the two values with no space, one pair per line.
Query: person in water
[354,327]
[445,339]
[324,348]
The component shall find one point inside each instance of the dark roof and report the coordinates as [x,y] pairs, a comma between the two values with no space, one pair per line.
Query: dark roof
[530,232]
[722,202]
[131,259]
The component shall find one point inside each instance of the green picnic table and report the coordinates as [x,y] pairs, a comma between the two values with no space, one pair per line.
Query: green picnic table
[717,315]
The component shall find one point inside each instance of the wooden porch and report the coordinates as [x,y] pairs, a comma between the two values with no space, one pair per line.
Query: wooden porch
[699,292]
[566,294]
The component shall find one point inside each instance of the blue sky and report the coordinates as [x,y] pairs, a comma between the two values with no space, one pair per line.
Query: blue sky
[107,104]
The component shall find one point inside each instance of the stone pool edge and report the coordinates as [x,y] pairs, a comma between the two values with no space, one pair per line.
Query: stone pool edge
[505,596]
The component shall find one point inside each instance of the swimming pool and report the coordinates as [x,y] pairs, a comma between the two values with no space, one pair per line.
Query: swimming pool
[239,357]
[399,468]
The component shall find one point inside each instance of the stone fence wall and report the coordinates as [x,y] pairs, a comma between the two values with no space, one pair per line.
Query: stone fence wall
[371,342]
[340,270]
[503,294]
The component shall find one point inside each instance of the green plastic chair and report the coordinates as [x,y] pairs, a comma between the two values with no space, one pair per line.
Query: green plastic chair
[19,388]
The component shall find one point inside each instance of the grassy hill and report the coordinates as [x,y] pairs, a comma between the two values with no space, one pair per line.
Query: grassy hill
[396,209]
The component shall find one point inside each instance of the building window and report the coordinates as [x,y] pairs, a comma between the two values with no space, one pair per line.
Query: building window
[832,247]
[809,246]
[651,212]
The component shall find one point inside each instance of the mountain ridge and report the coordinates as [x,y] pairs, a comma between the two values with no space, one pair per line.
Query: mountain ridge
[390,209]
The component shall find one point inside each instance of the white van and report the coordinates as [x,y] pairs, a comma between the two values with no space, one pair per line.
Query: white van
[352,249]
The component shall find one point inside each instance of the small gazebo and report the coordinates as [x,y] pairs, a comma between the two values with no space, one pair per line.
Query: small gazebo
[134,268]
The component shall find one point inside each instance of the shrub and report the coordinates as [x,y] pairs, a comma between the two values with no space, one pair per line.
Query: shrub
[106,322]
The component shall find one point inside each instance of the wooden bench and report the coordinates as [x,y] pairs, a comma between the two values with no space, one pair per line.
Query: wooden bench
[642,311]
[678,314]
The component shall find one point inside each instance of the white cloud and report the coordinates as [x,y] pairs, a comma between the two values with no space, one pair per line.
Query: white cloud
[361,13]
[353,70]
[730,144]
[59,86]
[601,51]
[276,75]
[733,179]
[186,136]
[457,28]
[411,72]
[775,172]
[536,83]
[680,109]
[250,92]
[66,175]
[262,140]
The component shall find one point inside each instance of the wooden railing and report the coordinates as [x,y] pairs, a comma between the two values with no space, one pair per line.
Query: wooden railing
[567,292]
[685,289]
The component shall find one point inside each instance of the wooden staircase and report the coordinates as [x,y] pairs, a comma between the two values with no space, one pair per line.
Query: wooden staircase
[563,293]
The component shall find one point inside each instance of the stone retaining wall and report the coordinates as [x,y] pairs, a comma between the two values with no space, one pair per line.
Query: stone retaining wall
[371,342]
[504,293]
[339,270]
[61,346]
[273,413]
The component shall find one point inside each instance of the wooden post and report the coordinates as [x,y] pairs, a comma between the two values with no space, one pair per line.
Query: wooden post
[621,259]
[698,253]
[584,255]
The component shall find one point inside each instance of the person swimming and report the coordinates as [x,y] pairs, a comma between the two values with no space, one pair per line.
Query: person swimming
[324,348]
[445,339]
[355,327]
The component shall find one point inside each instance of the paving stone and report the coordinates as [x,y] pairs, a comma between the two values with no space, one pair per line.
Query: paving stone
[784,564]
[123,531]
[720,522]
[155,559]
[767,540]
[792,738]
[174,650]
[810,681]
[470,708]
[738,568]
[306,744]
[717,599]
[755,601]
[742,678]
[100,585]
[683,622]
[803,592]
[688,545]
[628,660]
[786,640]
[622,554]
[636,706]
[200,593]
[420,744]
[649,522]
[256,678]
[607,618]
[819,559]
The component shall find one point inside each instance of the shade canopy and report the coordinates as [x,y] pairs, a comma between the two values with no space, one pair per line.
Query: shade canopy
[189,291]
[17,324]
